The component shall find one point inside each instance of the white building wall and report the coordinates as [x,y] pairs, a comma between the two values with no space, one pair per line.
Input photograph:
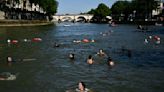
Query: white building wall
[2,15]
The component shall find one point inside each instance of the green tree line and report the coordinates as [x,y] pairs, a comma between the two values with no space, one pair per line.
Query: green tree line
[100,13]
[140,9]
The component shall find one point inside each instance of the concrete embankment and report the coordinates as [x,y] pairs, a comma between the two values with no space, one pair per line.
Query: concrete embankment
[24,22]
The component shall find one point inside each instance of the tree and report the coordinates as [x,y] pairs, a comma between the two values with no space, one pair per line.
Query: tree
[100,13]
[49,6]
[144,7]
[121,8]
[92,11]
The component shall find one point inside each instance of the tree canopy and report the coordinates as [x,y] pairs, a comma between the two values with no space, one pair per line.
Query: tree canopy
[50,6]
[100,12]
[92,11]
[144,7]
[141,8]
[121,7]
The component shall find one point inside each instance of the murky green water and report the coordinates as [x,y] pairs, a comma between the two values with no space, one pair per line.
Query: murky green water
[53,71]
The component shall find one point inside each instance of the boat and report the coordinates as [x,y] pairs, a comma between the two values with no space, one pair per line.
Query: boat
[7,76]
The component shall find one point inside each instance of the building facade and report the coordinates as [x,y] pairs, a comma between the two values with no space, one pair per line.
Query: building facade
[159,8]
[21,9]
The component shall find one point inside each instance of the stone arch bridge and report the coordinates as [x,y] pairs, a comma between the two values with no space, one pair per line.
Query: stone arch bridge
[75,18]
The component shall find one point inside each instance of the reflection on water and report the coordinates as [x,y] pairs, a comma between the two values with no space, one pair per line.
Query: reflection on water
[42,67]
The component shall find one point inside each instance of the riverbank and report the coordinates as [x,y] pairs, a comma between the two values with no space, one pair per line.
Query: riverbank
[139,22]
[4,23]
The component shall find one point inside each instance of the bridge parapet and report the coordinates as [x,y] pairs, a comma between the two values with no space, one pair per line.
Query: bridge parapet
[73,17]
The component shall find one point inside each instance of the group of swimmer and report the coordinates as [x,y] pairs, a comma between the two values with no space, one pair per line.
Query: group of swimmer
[90,59]
[10,60]
[155,39]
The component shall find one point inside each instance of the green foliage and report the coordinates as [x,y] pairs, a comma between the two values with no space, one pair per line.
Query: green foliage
[122,10]
[121,7]
[145,7]
[100,13]
[92,11]
[50,6]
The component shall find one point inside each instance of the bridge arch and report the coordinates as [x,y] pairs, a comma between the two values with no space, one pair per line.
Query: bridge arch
[55,18]
[81,19]
[66,18]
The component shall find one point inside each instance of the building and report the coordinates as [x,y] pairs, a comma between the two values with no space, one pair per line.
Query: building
[159,8]
[21,9]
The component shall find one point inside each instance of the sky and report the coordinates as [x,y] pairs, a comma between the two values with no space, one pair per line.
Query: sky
[80,6]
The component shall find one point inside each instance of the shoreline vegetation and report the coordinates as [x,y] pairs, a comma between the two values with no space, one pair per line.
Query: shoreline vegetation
[5,22]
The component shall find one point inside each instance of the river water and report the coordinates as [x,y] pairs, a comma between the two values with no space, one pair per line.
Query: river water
[48,68]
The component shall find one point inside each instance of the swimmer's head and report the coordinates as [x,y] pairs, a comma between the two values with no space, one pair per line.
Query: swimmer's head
[81,86]
[111,63]
[71,56]
[101,51]
[9,59]
[90,57]
[109,59]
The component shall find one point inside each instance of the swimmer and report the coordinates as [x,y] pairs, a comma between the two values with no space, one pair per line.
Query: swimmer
[123,49]
[140,27]
[81,87]
[150,37]
[26,40]
[104,34]
[101,53]
[56,45]
[72,56]
[146,41]
[9,59]
[129,53]
[110,61]
[8,41]
[90,60]
[92,40]
[77,41]
[2,77]
[158,42]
